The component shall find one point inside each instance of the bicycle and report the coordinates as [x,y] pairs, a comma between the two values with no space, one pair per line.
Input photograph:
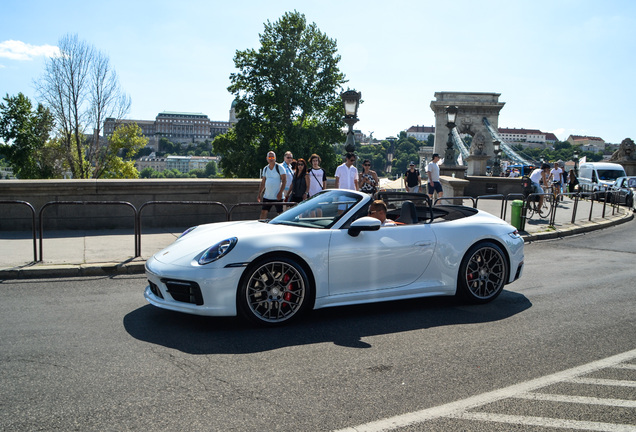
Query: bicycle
[532,206]
[546,208]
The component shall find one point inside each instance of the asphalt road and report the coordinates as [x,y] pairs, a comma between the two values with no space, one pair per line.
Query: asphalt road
[90,354]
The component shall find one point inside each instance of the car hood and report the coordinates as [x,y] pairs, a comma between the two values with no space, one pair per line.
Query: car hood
[197,241]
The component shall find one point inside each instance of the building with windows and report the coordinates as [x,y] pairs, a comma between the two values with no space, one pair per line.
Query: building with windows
[587,143]
[177,127]
[525,137]
[186,164]
[420,133]
[156,163]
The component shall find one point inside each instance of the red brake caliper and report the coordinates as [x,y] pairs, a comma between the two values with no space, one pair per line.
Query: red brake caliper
[287,296]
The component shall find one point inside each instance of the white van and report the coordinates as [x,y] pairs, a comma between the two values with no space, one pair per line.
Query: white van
[598,176]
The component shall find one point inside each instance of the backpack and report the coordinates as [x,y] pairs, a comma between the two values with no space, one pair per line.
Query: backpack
[277,170]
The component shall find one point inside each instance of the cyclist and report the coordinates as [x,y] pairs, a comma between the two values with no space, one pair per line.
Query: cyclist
[556,175]
[538,176]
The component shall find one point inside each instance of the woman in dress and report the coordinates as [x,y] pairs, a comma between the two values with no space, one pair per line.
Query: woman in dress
[300,182]
[368,180]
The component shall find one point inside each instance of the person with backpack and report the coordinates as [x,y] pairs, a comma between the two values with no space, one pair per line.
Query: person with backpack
[273,180]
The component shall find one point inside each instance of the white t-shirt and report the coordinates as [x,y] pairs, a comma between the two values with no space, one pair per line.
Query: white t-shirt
[557,174]
[433,171]
[290,175]
[347,176]
[272,181]
[316,184]
[535,177]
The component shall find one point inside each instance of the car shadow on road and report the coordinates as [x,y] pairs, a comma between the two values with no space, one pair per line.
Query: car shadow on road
[345,326]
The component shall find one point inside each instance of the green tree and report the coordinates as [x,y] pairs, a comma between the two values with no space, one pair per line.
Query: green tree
[126,139]
[286,98]
[81,90]
[211,169]
[25,132]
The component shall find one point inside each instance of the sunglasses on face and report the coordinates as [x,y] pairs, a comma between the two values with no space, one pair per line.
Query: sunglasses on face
[367,164]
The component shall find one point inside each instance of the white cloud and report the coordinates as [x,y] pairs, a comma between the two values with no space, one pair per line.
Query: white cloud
[18,50]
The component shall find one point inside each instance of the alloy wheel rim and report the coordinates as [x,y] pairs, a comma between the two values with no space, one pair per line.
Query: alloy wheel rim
[485,273]
[275,291]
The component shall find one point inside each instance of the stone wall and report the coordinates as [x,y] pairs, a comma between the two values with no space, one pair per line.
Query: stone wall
[484,185]
[14,217]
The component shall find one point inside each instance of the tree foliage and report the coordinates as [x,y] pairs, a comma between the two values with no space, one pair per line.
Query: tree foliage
[81,90]
[404,149]
[25,132]
[286,98]
[127,139]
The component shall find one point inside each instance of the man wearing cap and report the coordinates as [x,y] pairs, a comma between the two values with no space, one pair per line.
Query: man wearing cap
[412,179]
[434,184]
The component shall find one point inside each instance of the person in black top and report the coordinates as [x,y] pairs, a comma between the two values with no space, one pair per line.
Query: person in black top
[300,182]
[412,179]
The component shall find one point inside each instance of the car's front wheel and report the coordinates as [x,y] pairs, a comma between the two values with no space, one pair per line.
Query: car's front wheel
[273,291]
[482,274]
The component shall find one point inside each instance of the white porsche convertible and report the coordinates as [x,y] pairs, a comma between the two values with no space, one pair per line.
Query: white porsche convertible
[327,251]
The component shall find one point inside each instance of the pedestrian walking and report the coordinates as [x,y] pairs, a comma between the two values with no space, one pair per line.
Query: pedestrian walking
[412,179]
[272,186]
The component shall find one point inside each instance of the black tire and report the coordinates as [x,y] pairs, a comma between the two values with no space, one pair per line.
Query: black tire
[482,273]
[273,291]
[546,209]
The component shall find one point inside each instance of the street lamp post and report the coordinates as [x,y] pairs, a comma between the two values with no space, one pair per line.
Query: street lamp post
[351,102]
[576,162]
[496,169]
[389,155]
[449,156]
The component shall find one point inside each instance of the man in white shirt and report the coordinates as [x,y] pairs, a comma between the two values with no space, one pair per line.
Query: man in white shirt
[556,174]
[434,184]
[289,172]
[347,174]
[273,181]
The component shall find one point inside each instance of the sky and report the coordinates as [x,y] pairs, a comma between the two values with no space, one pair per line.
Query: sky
[561,66]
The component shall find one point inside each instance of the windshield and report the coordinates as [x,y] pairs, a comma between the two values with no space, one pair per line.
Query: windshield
[610,174]
[320,211]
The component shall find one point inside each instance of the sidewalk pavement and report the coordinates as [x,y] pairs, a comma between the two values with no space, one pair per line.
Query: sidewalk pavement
[111,252]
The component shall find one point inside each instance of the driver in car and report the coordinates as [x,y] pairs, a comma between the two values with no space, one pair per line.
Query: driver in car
[377,210]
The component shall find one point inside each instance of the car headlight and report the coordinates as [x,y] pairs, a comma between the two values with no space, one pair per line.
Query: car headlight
[215,252]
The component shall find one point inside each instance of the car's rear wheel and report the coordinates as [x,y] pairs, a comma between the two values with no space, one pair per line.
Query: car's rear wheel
[273,291]
[483,273]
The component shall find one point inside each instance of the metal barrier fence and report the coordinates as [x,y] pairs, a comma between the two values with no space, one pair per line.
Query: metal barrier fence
[609,199]
[33,225]
[154,203]
[108,203]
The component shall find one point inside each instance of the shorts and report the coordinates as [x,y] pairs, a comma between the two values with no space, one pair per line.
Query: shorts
[437,187]
[279,207]
[537,188]
[414,189]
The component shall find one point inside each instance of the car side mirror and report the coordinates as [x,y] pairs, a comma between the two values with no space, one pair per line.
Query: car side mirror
[366,223]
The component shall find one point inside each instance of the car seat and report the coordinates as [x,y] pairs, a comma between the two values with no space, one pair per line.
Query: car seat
[408,213]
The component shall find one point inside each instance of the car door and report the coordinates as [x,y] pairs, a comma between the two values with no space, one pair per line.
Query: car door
[390,257]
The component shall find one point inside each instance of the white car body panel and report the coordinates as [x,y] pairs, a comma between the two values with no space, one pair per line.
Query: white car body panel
[394,262]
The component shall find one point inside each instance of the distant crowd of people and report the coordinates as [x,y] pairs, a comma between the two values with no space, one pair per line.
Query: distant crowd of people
[295,180]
